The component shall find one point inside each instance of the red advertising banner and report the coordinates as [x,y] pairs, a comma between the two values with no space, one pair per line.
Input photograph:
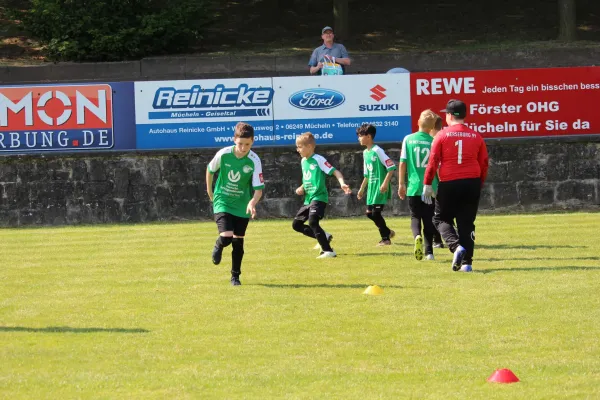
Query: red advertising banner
[515,103]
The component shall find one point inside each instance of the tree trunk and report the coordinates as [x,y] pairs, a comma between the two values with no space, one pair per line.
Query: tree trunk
[340,19]
[567,21]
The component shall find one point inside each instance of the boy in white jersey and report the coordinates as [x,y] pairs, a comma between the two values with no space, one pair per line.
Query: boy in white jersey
[315,170]
[378,171]
[240,171]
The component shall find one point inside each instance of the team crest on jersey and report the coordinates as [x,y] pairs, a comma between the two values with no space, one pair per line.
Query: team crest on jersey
[233,176]
[374,158]
[307,175]
[312,166]
[247,169]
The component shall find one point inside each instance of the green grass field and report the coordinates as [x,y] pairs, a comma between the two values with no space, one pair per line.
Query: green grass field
[140,312]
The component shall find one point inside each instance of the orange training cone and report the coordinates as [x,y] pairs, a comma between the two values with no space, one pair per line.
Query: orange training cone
[503,376]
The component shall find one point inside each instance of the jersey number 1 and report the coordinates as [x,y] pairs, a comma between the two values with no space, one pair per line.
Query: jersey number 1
[459,144]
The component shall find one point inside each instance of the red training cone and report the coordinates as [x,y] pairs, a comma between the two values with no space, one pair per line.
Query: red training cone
[503,376]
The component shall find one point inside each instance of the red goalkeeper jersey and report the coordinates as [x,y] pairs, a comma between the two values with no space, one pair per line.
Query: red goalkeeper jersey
[460,153]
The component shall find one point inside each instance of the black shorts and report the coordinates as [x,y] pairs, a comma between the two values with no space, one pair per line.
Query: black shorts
[315,207]
[227,222]
[375,207]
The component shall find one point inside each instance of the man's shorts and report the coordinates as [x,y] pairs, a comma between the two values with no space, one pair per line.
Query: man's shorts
[314,208]
[227,222]
[375,207]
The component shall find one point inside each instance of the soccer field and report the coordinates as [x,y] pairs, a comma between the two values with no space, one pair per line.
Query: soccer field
[139,311]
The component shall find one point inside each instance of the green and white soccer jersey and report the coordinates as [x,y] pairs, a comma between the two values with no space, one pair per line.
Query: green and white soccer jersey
[315,171]
[376,165]
[236,177]
[416,149]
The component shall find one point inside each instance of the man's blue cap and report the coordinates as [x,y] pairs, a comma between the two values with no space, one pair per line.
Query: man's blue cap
[327,28]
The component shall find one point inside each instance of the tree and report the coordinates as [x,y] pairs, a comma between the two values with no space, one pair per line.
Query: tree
[340,18]
[112,30]
[567,21]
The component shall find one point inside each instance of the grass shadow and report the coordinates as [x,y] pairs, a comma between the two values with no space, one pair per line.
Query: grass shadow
[531,247]
[68,329]
[396,254]
[535,269]
[541,258]
[322,285]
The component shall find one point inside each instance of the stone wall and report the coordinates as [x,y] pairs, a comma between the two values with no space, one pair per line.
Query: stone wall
[88,189]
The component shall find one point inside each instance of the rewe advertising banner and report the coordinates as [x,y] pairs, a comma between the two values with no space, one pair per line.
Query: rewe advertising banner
[516,103]
[72,118]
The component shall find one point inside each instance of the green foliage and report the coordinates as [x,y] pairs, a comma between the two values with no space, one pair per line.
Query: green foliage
[110,30]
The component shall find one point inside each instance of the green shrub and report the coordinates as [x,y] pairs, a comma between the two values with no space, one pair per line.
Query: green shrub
[111,30]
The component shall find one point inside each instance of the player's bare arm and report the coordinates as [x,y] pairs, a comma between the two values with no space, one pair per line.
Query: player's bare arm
[343,184]
[363,187]
[209,184]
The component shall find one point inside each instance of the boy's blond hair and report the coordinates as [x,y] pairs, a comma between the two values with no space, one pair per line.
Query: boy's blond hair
[306,138]
[427,120]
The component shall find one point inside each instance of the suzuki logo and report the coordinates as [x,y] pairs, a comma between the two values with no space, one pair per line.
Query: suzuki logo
[378,93]
[307,175]
[233,176]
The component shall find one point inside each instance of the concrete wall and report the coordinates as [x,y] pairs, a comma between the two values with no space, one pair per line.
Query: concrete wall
[196,67]
[56,190]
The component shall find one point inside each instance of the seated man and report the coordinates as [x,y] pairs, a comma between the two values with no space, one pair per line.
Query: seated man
[330,49]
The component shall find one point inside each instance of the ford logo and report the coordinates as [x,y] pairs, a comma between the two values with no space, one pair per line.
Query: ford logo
[317,99]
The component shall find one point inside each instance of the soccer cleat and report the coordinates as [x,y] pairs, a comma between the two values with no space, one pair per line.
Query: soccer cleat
[327,254]
[384,243]
[438,245]
[459,254]
[429,257]
[235,281]
[217,253]
[329,237]
[466,268]
[419,247]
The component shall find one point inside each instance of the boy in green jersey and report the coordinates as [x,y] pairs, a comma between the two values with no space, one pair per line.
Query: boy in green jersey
[378,171]
[240,171]
[414,156]
[315,170]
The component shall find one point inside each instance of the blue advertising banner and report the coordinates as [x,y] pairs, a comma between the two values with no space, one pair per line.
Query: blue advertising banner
[192,114]
[333,107]
[67,118]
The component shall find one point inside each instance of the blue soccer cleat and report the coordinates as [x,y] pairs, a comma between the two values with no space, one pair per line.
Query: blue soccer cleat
[459,254]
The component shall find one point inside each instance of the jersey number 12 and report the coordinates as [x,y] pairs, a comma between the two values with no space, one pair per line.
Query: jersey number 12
[425,151]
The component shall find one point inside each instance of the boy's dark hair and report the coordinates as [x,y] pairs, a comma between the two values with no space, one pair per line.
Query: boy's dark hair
[438,123]
[244,131]
[366,129]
